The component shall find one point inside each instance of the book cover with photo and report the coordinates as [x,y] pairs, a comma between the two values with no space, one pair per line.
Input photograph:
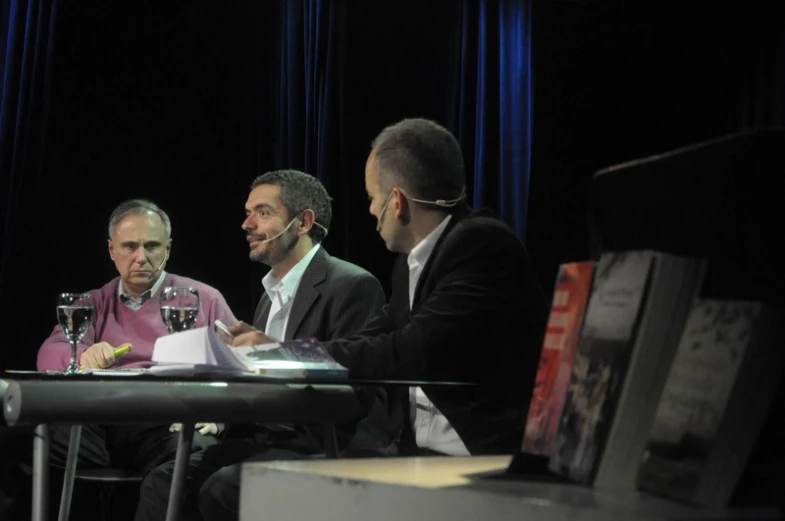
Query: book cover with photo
[571,293]
[600,362]
[637,309]
[714,402]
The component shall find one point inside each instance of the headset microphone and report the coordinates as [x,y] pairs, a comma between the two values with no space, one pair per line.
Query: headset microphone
[265,241]
[381,214]
[158,269]
[443,203]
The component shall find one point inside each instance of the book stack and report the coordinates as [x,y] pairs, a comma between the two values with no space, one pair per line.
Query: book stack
[644,385]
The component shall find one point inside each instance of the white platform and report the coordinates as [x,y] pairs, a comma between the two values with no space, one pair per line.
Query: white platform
[436,489]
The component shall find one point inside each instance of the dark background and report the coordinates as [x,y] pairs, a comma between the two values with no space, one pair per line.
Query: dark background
[173,101]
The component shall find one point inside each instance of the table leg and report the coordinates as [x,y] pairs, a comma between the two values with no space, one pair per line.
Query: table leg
[330,439]
[41,473]
[180,466]
[70,472]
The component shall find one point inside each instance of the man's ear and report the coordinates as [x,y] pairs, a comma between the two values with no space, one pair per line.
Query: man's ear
[401,209]
[110,246]
[307,218]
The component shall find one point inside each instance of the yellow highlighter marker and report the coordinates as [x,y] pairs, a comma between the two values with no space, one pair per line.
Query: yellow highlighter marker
[123,349]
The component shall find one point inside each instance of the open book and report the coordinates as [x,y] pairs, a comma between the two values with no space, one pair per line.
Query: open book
[202,348]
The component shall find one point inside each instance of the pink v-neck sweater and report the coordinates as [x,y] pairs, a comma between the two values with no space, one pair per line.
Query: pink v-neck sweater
[116,323]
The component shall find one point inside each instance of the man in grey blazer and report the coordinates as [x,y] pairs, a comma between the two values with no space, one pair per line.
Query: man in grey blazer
[287,217]
[308,294]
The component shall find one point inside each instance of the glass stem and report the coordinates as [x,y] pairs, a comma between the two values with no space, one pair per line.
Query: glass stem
[72,367]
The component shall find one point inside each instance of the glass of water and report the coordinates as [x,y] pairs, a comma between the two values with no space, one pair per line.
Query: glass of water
[75,314]
[179,307]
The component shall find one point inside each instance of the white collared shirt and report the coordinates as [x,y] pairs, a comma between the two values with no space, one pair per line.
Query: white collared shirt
[431,428]
[134,302]
[281,293]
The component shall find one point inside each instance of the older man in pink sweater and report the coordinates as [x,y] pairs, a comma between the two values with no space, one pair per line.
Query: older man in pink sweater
[127,311]
[119,319]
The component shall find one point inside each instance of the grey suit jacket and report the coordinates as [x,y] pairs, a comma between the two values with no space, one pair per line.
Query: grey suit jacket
[335,299]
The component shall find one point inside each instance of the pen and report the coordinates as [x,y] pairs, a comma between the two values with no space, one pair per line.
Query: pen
[123,349]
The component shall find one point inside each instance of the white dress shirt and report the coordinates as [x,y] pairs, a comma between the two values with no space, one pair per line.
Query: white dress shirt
[281,293]
[431,428]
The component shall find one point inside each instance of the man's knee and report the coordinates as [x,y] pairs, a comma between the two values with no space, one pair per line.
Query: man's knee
[219,496]
[156,484]
[154,493]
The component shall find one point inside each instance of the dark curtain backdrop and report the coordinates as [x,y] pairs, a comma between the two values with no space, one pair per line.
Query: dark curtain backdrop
[308,99]
[186,103]
[491,109]
[147,100]
[26,47]
[488,104]
[762,100]
[188,117]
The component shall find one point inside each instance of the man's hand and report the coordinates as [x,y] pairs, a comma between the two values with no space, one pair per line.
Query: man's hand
[98,356]
[240,328]
[245,335]
[208,429]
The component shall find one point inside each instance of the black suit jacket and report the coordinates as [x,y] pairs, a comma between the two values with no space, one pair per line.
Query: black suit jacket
[335,299]
[478,315]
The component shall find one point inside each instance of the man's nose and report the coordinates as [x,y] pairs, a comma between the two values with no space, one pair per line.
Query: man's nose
[248,223]
[141,256]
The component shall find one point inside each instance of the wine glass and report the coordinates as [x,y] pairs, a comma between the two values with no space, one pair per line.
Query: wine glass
[75,314]
[179,307]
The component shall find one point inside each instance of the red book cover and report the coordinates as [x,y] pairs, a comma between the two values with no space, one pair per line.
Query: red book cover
[570,296]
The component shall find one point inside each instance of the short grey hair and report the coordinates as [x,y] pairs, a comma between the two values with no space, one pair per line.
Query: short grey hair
[421,156]
[138,207]
[301,191]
